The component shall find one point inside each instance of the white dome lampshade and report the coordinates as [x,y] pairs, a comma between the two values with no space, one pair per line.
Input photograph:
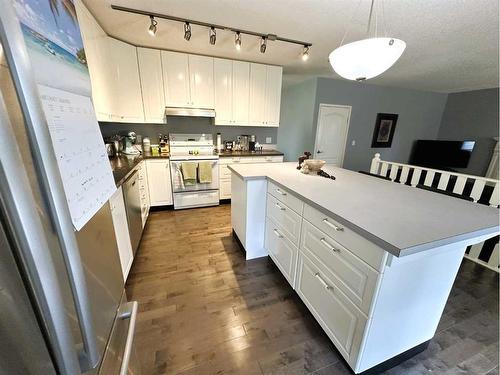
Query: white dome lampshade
[367,58]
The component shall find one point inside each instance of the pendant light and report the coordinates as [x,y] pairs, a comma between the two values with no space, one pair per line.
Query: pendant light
[366,58]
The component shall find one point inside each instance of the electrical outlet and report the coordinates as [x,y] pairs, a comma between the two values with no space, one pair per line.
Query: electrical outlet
[353,143]
[269,140]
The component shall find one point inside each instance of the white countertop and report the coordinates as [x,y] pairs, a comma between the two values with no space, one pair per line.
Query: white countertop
[401,219]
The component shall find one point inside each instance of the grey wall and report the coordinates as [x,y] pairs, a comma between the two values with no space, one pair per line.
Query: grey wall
[188,125]
[419,113]
[296,119]
[472,115]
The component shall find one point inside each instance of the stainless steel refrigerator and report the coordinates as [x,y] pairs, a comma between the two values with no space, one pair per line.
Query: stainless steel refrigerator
[63,309]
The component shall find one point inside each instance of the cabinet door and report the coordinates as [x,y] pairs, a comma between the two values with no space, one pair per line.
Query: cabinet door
[153,97]
[119,216]
[127,99]
[176,79]
[201,78]
[258,76]
[223,78]
[241,92]
[159,183]
[273,95]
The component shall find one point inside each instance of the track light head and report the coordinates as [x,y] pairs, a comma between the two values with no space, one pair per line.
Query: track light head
[212,36]
[263,44]
[152,28]
[305,53]
[237,40]
[187,31]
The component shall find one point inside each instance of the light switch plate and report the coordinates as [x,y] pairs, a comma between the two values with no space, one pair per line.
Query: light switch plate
[353,143]
[269,140]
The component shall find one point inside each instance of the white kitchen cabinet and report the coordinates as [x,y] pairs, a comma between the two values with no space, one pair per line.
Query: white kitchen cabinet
[119,217]
[151,76]
[126,85]
[232,79]
[201,81]
[95,42]
[159,182]
[273,95]
[176,79]
[257,100]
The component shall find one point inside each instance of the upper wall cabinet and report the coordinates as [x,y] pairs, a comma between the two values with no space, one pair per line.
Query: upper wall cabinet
[188,80]
[231,92]
[265,94]
[151,75]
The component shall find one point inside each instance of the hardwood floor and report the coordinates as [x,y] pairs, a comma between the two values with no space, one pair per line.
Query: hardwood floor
[203,309]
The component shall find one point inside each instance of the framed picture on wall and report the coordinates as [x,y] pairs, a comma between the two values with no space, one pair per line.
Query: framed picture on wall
[384,129]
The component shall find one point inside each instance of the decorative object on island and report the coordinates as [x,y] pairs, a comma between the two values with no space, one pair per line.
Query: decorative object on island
[385,125]
[324,174]
[303,157]
[312,165]
[366,58]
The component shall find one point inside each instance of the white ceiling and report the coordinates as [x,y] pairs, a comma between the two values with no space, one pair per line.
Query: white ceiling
[452,45]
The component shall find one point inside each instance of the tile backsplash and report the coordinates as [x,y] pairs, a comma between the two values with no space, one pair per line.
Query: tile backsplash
[189,125]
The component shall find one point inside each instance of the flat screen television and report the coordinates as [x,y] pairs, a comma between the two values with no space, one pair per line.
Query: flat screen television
[441,154]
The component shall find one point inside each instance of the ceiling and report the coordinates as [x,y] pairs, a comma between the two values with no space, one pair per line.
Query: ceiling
[452,45]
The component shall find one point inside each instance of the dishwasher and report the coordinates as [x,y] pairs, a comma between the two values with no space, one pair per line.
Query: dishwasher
[133,207]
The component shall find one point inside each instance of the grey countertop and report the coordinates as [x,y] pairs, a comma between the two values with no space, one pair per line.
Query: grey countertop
[122,165]
[250,153]
[401,219]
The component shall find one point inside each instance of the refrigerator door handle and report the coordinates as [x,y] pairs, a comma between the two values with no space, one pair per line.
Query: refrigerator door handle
[49,176]
[129,313]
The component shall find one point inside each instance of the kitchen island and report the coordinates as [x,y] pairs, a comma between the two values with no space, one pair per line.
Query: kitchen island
[374,261]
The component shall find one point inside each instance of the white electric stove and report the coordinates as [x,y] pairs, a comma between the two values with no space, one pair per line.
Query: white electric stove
[197,149]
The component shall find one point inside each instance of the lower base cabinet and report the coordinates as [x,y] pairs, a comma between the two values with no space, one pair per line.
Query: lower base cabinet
[119,216]
[281,250]
[159,182]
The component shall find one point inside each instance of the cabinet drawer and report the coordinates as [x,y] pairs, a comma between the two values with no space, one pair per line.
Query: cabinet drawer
[285,196]
[349,273]
[340,319]
[224,171]
[287,219]
[225,189]
[235,160]
[267,159]
[281,250]
[361,247]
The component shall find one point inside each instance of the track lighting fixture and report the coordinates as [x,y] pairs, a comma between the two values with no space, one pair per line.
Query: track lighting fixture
[305,53]
[212,36]
[263,44]
[237,40]
[152,28]
[187,31]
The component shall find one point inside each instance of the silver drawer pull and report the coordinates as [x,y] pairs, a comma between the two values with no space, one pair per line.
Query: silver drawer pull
[318,276]
[277,233]
[278,190]
[334,249]
[280,207]
[336,228]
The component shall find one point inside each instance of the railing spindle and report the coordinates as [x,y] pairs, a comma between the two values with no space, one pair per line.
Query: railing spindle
[443,181]
[460,184]
[477,189]
[383,170]
[394,172]
[495,198]
[429,177]
[404,175]
[416,176]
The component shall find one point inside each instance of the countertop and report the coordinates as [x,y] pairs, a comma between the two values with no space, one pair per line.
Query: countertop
[401,219]
[122,165]
[250,153]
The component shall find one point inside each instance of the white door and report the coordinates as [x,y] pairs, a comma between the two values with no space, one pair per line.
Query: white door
[223,77]
[159,184]
[258,76]
[201,70]
[241,91]
[151,75]
[273,95]
[331,133]
[176,79]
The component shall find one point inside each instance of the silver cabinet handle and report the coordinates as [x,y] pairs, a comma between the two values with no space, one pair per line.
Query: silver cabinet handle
[280,207]
[129,313]
[334,249]
[325,284]
[278,234]
[331,225]
[279,191]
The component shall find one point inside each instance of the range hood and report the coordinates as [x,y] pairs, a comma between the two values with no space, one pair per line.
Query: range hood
[188,111]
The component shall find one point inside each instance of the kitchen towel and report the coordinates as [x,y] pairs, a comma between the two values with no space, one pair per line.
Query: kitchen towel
[189,173]
[205,172]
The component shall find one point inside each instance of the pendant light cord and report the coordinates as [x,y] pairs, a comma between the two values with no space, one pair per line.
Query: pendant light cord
[370,18]
[350,22]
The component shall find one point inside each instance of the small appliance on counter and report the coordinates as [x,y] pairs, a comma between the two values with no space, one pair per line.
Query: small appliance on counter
[220,148]
[228,146]
[130,147]
[251,144]
[146,144]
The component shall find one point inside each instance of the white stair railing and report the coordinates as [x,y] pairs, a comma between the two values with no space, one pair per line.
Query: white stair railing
[412,175]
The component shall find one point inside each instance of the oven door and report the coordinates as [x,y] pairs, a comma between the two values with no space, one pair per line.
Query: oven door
[179,185]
